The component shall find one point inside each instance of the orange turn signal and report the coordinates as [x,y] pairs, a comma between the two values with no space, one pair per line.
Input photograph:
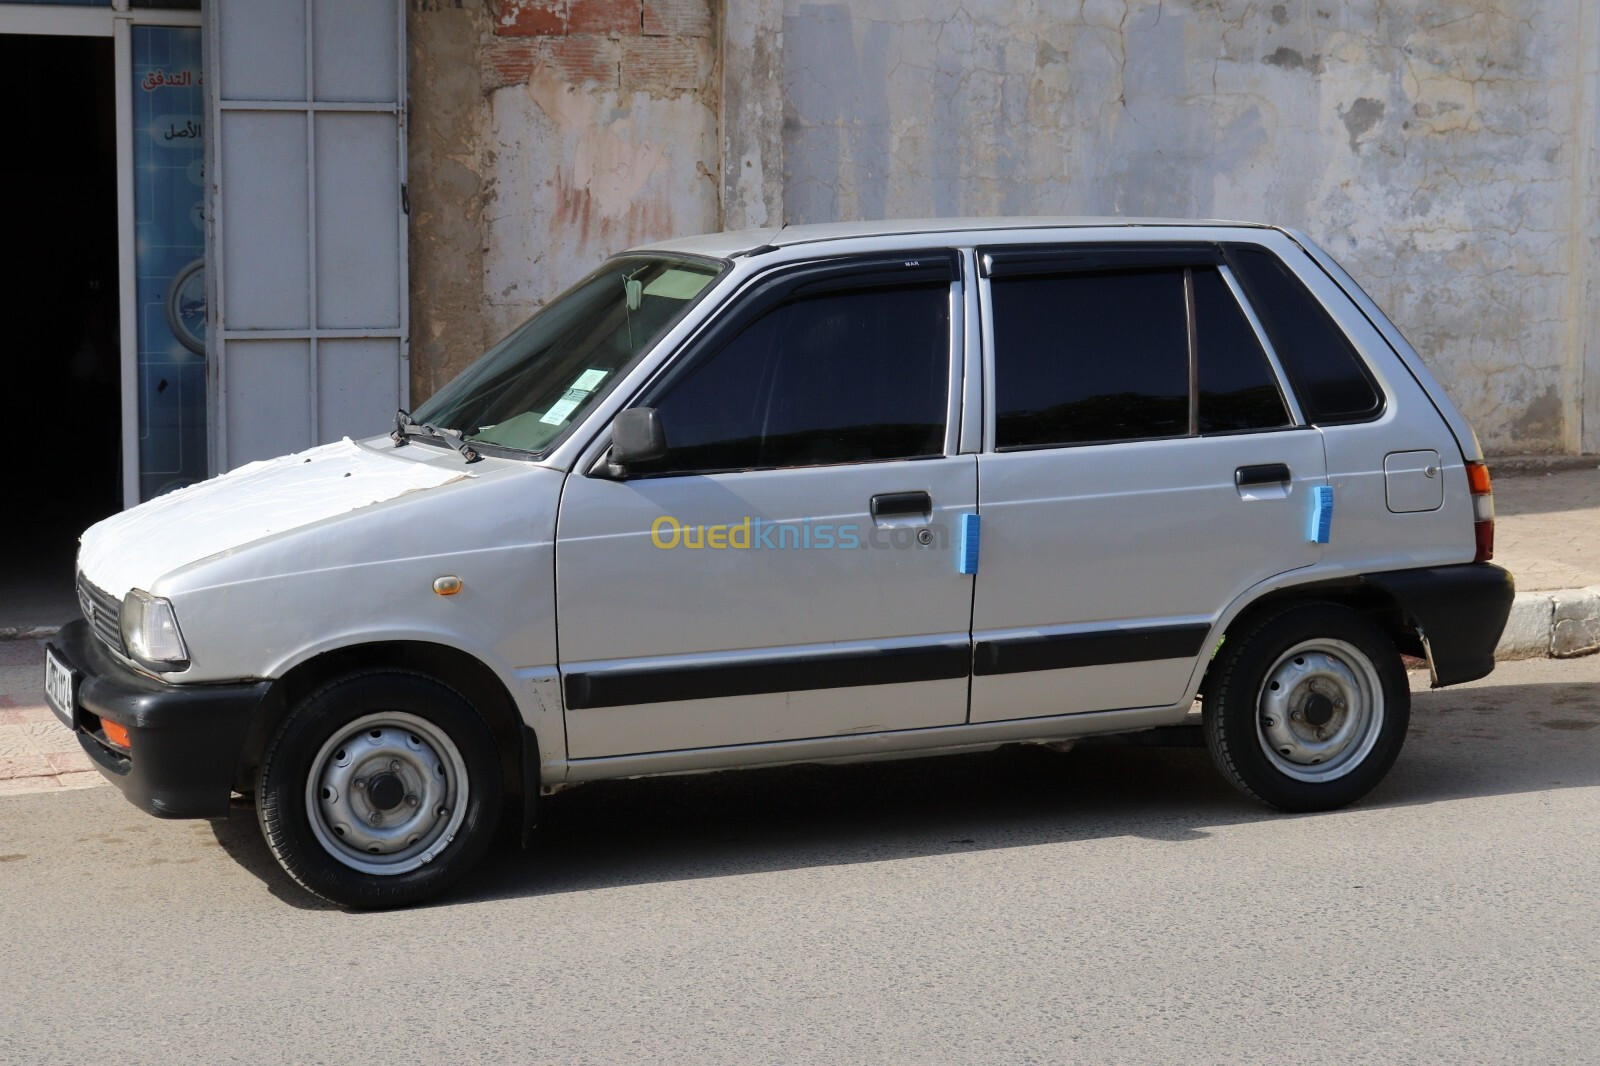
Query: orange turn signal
[117,734]
[1478,478]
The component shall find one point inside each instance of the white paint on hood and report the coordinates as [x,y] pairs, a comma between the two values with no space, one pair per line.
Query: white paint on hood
[134,548]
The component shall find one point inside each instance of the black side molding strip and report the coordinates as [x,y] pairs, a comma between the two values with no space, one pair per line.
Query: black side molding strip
[798,673]
[1063,651]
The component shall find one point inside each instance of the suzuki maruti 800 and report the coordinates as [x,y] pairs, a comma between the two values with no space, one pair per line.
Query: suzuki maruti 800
[819,493]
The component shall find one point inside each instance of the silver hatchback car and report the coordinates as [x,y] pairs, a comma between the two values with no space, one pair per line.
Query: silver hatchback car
[814,493]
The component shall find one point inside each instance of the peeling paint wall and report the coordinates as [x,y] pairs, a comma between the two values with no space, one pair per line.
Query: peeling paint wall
[601,133]
[1447,153]
[447,185]
[1434,149]
[752,115]
[545,135]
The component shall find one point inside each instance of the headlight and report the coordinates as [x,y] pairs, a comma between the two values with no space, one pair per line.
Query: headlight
[150,632]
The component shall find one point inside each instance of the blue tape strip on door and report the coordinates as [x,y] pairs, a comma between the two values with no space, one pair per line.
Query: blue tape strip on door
[1321,513]
[967,553]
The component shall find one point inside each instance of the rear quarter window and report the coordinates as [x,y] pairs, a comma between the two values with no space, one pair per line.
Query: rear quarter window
[1328,375]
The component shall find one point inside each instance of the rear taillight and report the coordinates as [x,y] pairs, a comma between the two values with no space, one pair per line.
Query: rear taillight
[1482,510]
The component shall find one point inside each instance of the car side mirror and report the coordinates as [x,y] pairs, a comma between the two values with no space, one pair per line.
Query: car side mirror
[637,436]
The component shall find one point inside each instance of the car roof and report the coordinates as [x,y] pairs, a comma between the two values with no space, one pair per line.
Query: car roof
[738,242]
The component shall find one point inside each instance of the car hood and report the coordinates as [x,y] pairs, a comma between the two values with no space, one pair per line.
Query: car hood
[135,548]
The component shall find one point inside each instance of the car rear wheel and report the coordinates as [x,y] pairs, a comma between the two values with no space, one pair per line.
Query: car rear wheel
[1307,708]
[380,790]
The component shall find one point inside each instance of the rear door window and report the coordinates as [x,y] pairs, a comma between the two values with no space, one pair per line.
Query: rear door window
[1238,388]
[1088,358]
[1096,357]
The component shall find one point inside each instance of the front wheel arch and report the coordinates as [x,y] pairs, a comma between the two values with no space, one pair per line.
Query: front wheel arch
[452,667]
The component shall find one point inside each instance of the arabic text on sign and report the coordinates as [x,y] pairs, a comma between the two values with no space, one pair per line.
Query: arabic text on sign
[160,79]
[190,128]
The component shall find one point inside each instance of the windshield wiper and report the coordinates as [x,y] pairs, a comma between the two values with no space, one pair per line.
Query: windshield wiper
[403,422]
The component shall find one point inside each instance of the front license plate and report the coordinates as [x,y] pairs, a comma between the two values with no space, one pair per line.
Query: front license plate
[60,684]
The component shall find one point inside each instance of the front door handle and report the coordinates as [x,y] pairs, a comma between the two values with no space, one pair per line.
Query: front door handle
[902,505]
[1263,474]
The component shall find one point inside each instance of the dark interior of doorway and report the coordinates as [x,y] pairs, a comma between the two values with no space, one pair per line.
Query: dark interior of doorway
[58,313]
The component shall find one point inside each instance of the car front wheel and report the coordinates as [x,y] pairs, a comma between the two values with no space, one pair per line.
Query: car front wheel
[380,789]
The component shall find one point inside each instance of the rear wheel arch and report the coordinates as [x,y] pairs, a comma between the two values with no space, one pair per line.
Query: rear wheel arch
[1327,665]
[457,669]
[1377,605]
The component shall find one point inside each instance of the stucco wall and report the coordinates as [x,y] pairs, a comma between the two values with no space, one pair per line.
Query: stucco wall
[448,181]
[1434,148]
[1446,153]
[545,135]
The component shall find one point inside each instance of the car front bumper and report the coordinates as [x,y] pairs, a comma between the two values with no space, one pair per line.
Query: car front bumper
[184,740]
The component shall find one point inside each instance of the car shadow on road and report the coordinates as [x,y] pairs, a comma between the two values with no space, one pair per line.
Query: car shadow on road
[239,834]
[1476,742]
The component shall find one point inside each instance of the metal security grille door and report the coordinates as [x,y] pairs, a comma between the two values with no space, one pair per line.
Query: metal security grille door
[308,236]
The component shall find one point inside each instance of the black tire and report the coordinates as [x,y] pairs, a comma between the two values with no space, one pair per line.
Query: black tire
[423,720]
[1243,717]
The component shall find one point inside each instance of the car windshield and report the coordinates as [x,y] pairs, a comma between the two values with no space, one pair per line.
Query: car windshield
[545,376]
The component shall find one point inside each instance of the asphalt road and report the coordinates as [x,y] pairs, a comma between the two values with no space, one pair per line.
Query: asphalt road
[1015,906]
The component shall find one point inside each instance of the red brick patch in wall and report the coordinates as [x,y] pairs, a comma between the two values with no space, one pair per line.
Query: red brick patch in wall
[530,18]
[677,18]
[576,60]
[510,62]
[617,17]
[583,59]
[661,63]
[557,18]
[641,45]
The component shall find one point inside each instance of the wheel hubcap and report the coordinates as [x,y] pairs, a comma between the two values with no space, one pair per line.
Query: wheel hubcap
[387,793]
[1320,711]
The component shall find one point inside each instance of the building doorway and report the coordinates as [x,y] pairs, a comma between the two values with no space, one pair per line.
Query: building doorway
[60,308]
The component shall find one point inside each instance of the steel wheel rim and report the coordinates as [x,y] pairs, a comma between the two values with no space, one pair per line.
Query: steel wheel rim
[387,793]
[1314,679]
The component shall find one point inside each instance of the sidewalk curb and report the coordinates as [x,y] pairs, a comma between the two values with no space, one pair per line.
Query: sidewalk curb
[28,632]
[1562,624]
[1540,465]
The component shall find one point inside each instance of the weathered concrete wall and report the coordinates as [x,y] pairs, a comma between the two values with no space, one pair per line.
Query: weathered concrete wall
[545,135]
[752,114]
[447,185]
[1438,150]
[1583,379]
[602,133]
[1447,153]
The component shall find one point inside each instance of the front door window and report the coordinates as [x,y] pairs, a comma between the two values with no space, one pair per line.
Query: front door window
[843,377]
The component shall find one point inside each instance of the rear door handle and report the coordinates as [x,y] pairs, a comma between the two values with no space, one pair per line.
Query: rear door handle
[1263,474]
[902,505]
